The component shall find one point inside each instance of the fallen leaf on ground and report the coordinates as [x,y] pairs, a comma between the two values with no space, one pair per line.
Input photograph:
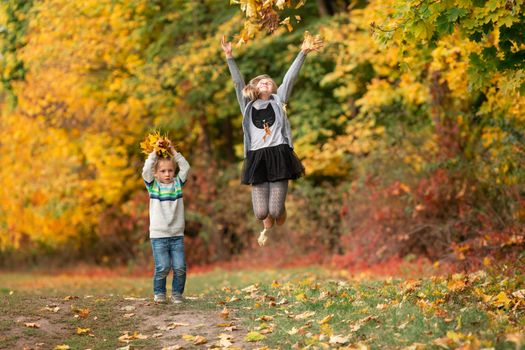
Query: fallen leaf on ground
[293,331]
[62,347]
[326,319]
[501,300]
[32,325]
[199,339]
[301,297]
[254,336]
[129,315]
[128,308]
[126,337]
[52,307]
[264,318]
[83,313]
[250,289]
[225,313]
[338,339]
[229,324]
[282,302]
[304,315]
[173,347]
[519,294]
[82,331]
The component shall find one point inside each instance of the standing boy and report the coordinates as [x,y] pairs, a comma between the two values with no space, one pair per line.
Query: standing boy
[166,230]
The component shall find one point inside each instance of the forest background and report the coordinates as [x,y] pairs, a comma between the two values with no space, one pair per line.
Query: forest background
[410,123]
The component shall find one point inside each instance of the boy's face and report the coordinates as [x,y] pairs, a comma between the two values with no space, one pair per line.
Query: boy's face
[165,171]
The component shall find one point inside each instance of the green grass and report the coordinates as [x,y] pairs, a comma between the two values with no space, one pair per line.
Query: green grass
[301,307]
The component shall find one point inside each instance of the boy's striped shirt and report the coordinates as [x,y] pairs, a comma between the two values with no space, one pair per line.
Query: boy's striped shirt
[170,192]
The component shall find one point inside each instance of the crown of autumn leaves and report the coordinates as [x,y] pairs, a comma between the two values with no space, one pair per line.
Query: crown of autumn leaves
[151,143]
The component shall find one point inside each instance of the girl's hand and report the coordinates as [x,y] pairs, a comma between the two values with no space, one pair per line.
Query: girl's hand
[311,43]
[226,47]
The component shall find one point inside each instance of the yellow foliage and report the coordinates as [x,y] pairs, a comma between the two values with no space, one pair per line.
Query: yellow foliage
[158,143]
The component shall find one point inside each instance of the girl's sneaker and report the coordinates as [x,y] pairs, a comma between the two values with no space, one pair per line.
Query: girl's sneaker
[262,237]
[159,298]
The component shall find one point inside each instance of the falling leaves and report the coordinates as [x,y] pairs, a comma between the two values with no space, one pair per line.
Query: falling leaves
[312,43]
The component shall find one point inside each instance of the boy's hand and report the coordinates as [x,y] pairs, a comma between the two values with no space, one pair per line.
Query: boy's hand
[173,151]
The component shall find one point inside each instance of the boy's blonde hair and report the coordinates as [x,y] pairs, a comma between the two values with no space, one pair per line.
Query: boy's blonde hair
[161,159]
[251,92]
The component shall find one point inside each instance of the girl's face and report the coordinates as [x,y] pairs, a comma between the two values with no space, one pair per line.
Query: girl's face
[265,86]
[165,171]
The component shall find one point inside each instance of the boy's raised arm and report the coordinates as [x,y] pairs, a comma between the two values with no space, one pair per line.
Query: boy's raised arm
[147,170]
[184,167]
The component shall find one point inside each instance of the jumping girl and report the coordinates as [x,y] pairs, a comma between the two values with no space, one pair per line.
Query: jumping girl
[269,159]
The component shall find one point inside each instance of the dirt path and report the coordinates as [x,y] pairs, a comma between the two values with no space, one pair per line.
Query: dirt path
[44,323]
[172,324]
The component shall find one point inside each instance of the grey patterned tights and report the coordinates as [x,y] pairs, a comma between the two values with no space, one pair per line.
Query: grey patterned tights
[268,199]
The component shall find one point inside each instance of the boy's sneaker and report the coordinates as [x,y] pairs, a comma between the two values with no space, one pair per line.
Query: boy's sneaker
[159,298]
[177,299]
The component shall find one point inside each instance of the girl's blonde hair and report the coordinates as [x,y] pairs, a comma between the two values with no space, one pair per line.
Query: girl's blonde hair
[251,92]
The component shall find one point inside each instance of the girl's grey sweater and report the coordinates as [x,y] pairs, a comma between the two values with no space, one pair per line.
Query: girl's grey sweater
[278,100]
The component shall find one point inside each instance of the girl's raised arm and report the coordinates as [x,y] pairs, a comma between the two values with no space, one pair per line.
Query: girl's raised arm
[309,44]
[237,78]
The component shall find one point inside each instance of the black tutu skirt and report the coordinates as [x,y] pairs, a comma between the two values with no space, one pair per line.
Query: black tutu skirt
[270,164]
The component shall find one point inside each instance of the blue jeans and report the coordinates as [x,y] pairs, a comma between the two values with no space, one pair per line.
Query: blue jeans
[168,253]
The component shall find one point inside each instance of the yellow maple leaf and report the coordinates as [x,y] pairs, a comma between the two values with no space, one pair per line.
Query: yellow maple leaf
[225,313]
[325,319]
[188,337]
[301,297]
[199,339]
[502,300]
[254,336]
[62,347]
[82,331]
